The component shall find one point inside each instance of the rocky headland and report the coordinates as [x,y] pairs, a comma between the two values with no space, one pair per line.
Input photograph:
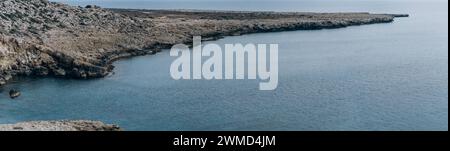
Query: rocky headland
[42,38]
[79,125]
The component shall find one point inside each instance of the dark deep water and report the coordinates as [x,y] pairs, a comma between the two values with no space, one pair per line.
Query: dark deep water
[375,77]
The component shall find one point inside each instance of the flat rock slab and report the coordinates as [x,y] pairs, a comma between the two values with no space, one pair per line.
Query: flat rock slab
[78,125]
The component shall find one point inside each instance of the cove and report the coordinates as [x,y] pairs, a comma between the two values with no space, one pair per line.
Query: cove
[375,77]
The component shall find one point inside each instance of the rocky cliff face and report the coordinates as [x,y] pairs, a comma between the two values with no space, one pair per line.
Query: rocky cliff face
[44,38]
[41,38]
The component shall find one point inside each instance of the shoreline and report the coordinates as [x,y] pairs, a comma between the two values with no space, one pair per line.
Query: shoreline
[84,42]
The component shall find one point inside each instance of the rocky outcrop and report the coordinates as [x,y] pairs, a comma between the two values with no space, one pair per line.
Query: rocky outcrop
[14,94]
[42,38]
[79,125]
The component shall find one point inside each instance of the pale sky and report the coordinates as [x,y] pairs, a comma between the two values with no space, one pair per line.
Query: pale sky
[272,5]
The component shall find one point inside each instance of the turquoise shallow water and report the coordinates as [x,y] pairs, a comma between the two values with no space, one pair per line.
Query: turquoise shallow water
[376,77]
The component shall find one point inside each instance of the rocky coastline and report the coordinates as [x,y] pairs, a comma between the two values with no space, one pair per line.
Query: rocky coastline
[42,38]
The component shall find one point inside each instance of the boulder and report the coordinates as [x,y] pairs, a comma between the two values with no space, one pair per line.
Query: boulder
[14,93]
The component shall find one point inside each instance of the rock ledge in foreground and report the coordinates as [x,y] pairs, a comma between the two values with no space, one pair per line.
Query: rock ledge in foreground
[65,125]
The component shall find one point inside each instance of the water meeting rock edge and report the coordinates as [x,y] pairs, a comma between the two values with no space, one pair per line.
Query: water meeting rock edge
[42,38]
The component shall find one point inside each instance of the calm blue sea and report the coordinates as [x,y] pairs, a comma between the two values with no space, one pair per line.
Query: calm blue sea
[376,77]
